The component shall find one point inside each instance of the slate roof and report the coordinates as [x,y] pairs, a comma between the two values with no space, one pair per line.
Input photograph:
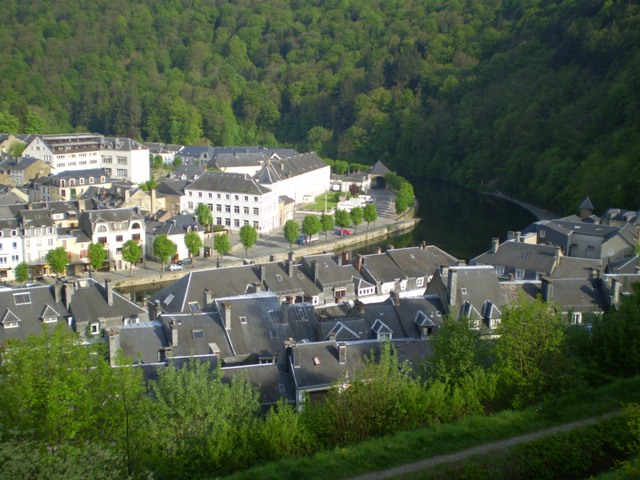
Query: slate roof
[525,256]
[270,379]
[89,303]
[275,277]
[227,182]
[408,309]
[381,268]
[379,168]
[578,295]
[196,333]
[189,289]
[421,261]
[178,225]
[329,272]
[171,187]
[140,342]
[576,267]
[196,151]
[276,170]
[586,204]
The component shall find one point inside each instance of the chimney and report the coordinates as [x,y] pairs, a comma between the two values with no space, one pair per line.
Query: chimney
[114,345]
[495,244]
[257,286]
[359,260]
[342,353]
[339,260]
[290,268]
[152,192]
[615,291]
[291,256]
[557,253]
[154,308]
[263,273]
[208,298]
[395,297]
[316,270]
[69,290]
[174,333]
[361,307]
[511,235]
[127,195]
[346,257]
[423,245]
[109,292]
[296,356]
[547,289]
[332,336]
[518,236]
[378,249]
[453,287]
[56,292]
[227,315]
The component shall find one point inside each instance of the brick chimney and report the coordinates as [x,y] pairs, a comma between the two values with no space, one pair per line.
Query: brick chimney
[290,268]
[174,332]
[108,292]
[452,286]
[114,345]
[495,244]
[342,353]
[359,261]
[207,298]
[547,289]
[227,315]
[69,290]
[56,292]
[346,257]
[316,270]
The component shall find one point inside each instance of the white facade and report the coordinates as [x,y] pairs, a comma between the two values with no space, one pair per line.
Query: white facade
[11,249]
[123,158]
[113,228]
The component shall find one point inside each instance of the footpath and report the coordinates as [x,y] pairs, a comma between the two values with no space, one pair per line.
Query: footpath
[484,449]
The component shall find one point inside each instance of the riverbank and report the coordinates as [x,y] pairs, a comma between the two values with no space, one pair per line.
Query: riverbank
[538,212]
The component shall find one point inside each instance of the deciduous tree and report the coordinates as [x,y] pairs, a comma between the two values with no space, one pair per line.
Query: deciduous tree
[370,214]
[205,217]
[356,215]
[164,248]
[131,253]
[342,219]
[97,255]
[291,231]
[222,245]
[248,237]
[193,242]
[328,222]
[22,272]
[57,260]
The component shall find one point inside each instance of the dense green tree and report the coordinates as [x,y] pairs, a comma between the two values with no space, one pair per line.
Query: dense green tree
[342,220]
[532,358]
[455,350]
[198,423]
[164,249]
[311,225]
[57,260]
[22,272]
[328,222]
[155,161]
[205,217]
[357,215]
[9,123]
[370,214]
[222,245]
[291,231]
[193,242]
[97,255]
[16,149]
[248,237]
[131,253]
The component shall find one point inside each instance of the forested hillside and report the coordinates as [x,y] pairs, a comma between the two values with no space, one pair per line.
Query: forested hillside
[535,97]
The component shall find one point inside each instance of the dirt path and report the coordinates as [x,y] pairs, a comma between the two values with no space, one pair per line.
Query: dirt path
[479,450]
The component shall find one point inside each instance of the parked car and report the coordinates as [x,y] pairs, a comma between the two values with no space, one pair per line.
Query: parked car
[175,266]
[304,239]
[344,231]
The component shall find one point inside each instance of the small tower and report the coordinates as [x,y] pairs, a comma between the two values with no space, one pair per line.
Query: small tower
[586,208]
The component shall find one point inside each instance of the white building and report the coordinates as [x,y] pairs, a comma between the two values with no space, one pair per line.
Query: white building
[122,158]
[113,228]
[11,248]
[40,235]
[262,200]
[234,200]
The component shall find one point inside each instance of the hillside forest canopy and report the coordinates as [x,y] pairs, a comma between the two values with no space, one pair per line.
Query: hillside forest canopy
[535,98]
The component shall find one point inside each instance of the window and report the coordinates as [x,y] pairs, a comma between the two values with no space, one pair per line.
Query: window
[218,196]
[246,198]
[255,199]
[227,196]
[218,208]
[82,180]
[237,197]
[135,226]
[420,282]
[122,160]
[245,210]
[50,242]
[210,195]
[236,209]
[197,334]
[227,222]
[463,290]
[243,320]
[22,298]
[193,306]
[499,270]
[95,328]
[576,318]
[119,238]
[542,233]
[255,225]
[403,284]
[63,193]
[121,172]
[91,180]
[236,223]
[102,240]
[102,228]
[519,273]
[227,208]
[256,211]
[136,237]
[200,194]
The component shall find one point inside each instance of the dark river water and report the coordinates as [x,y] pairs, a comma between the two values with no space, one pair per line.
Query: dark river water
[460,221]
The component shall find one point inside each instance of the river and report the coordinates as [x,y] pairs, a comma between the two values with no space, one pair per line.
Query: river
[460,221]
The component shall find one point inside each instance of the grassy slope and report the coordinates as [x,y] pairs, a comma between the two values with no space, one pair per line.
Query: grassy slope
[415,445]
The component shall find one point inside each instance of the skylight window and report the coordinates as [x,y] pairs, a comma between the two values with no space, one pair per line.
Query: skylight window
[464,291]
[193,306]
[316,361]
[22,298]
[243,320]
[278,277]
[197,333]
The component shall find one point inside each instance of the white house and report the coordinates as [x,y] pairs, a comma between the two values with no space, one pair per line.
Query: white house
[122,158]
[113,228]
[11,248]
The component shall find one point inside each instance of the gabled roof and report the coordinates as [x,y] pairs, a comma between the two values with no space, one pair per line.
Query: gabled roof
[381,268]
[286,278]
[421,261]
[525,256]
[379,168]
[140,342]
[329,272]
[276,170]
[586,204]
[171,187]
[578,295]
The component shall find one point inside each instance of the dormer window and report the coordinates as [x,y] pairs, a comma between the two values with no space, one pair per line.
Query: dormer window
[102,228]
[82,181]
[63,183]
[91,179]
